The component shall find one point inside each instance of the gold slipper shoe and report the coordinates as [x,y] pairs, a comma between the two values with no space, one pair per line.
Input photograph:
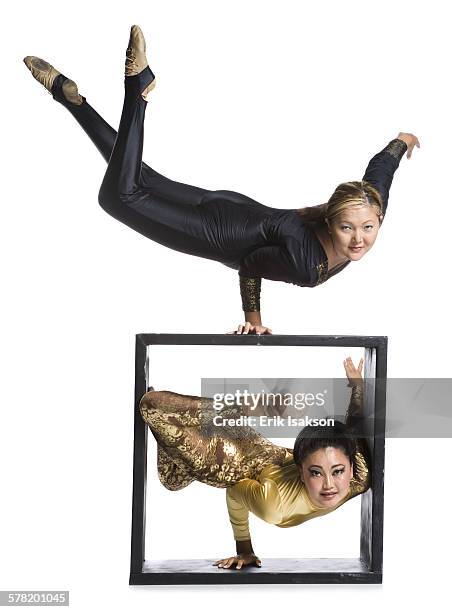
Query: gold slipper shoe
[136,60]
[46,74]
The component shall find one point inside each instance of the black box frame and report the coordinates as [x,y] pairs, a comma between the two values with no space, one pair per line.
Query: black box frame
[367,569]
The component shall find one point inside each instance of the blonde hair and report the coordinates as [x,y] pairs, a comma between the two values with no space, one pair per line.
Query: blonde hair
[353,193]
[346,195]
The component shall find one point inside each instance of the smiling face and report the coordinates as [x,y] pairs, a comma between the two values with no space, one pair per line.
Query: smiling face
[354,231]
[326,474]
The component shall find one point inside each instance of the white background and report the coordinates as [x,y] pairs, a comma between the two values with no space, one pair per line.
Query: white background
[205,526]
[280,101]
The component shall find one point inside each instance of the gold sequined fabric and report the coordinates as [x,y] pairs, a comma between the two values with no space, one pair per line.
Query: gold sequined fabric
[250,290]
[173,476]
[355,406]
[396,148]
[361,475]
[324,274]
[192,447]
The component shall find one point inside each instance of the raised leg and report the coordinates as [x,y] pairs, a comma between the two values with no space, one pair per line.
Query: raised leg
[122,178]
[179,216]
[163,211]
[103,136]
[173,476]
[213,453]
[99,131]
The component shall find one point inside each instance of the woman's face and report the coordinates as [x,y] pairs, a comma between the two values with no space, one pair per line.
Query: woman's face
[354,231]
[326,474]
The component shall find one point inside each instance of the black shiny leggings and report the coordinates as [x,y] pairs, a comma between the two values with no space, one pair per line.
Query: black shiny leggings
[220,225]
[131,191]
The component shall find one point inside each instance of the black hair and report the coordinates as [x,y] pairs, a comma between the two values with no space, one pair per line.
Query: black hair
[314,437]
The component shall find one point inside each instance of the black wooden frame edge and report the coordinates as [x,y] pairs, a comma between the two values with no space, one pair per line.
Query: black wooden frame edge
[374,575]
[378,342]
[379,458]
[139,461]
[243,577]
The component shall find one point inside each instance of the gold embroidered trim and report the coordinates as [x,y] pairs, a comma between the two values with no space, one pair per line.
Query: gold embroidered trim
[361,475]
[396,148]
[250,290]
[322,272]
[355,407]
[357,393]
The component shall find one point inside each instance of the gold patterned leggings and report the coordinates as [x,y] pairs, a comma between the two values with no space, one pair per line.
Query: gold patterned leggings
[190,446]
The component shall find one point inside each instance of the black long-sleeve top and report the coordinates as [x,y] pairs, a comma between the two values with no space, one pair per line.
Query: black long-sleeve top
[292,252]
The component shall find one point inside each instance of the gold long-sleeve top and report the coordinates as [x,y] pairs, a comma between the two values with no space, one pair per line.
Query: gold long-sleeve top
[279,497]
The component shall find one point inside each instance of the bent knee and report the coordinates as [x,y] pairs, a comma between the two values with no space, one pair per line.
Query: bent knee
[117,203]
[153,402]
[147,403]
[111,198]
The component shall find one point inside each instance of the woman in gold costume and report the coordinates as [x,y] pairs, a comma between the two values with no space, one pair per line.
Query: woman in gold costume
[327,466]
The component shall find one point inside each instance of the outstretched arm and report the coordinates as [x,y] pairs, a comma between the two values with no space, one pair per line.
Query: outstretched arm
[250,292]
[355,380]
[381,168]
[354,419]
[248,495]
[271,262]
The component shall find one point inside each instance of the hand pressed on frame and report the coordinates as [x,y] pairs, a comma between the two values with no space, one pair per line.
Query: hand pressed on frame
[239,560]
[410,140]
[248,328]
[354,375]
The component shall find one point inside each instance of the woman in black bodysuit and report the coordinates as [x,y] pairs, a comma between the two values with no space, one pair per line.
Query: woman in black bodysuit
[300,246]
